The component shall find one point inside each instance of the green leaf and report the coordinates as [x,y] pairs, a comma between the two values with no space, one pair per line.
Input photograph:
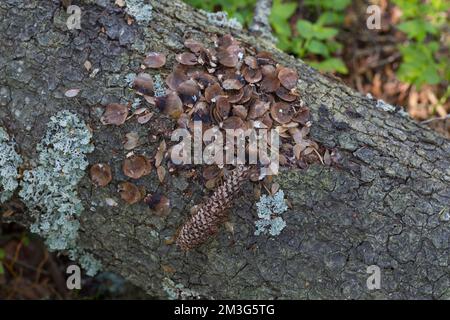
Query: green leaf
[2,271]
[417,29]
[334,46]
[2,254]
[281,27]
[418,74]
[279,18]
[305,28]
[25,240]
[336,5]
[330,17]
[239,17]
[318,47]
[419,66]
[284,43]
[323,33]
[283,10]
[433,46]
[410,8]
[431,75]
[330,65]
[298,47]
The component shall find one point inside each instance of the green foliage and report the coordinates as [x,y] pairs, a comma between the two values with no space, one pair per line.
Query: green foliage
[308,40]
[417,29]
[419,66]
[279,19]
[337,5]
[25,240]
[242,10]
[314,39]
[311,39]
[2,257]
[422,23]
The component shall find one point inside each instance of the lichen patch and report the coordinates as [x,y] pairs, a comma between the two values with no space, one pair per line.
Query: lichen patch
[50,189]
[10,161]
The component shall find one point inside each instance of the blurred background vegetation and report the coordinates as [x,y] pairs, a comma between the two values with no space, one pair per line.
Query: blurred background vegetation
[405,63]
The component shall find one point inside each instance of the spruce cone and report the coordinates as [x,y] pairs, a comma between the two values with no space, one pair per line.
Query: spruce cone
[207,219]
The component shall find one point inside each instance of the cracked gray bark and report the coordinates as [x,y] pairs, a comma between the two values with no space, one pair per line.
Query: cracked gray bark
[381,205]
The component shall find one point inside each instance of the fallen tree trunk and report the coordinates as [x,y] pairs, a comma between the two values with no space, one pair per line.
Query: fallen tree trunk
[385,204]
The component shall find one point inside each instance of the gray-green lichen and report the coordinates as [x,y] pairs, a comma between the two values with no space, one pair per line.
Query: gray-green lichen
[9,164]
[159,87]
[136,103]
[388,107]
[141,11]
[220,19]
[129,78]
[269,208]
[87,261]
[50,189]
[178,291]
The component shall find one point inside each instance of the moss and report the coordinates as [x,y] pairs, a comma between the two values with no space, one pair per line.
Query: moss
[50,189]
[9,164]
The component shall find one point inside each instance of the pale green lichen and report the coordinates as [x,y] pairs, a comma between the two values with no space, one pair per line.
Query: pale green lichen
[269,208]
[129,78]
[158,85]
[136,103]
[178,291]
[220,19]
[10,161]
[139,10]
[50,189]
[86,260]
[381,104]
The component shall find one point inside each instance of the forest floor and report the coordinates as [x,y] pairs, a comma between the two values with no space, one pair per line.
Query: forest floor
[372,60]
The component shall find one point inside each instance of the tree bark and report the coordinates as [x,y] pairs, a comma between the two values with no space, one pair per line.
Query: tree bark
[385,204]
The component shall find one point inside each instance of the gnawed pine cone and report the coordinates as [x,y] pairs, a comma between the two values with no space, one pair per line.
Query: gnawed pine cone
[210,214]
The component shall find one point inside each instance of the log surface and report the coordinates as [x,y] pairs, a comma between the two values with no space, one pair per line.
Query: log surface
[383,205]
